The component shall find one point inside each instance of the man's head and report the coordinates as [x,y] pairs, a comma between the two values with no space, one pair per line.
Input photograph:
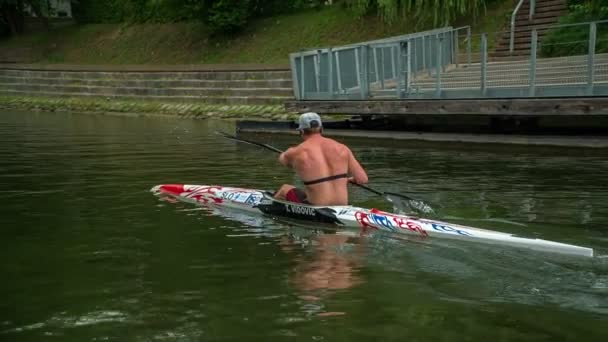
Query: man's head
[310,123]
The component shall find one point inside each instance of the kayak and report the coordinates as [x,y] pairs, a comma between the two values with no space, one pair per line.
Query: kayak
[262,202]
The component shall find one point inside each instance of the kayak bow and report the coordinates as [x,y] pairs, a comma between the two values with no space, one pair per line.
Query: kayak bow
[261,202]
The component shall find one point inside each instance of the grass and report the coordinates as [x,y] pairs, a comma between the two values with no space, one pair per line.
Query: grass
[101,105]
[265,41]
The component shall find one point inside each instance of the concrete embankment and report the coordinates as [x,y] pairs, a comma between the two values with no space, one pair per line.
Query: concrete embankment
[213,90]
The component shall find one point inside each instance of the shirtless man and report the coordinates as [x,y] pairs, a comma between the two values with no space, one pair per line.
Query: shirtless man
[323,164]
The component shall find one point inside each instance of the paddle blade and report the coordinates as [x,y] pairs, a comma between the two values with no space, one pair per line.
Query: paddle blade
[403,203]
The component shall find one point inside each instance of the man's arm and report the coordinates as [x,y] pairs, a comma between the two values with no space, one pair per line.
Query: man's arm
[285,157]
[355,169]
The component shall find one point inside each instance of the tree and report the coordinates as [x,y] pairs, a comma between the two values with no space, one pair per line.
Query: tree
[12,13]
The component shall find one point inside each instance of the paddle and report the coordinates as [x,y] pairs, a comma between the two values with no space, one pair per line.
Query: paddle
[397,200]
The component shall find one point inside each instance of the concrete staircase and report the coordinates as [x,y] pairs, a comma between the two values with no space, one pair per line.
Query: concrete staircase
[558,71]
[547,13]
[251,87]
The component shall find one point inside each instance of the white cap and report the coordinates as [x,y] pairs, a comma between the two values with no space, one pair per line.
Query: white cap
[310,120]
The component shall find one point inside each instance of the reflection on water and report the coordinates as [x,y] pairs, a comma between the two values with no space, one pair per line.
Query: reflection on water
[88,254]
[327,267]
[326,261]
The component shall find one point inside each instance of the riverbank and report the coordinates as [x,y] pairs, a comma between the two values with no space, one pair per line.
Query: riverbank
[145,107]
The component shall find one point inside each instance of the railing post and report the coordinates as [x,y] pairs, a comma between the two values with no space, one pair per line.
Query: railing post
[423,53]
[484,60]
[338,72]
[330,73]
[414,51]
[591,58]
[408,80]
[302,77]
[394,74]
[469,45]
[455,49]
[511,39]
[364,85]
[317,65]
[375,57]
[358,70]
[532,8]
[438,69]
[294,74]
[532,78]
[399,86]
[512,36]
[382,73]
[446,50]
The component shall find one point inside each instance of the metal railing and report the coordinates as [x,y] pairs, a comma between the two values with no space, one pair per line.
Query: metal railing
[572,60]
[384,67]
[513,17]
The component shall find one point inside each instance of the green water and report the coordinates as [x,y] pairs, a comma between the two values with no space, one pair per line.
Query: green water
[88,254]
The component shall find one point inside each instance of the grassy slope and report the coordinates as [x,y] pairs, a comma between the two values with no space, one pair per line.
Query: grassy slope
[267,40]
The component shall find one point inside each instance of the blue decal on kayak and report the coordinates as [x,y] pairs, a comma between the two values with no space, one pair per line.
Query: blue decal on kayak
[448,229]
[383,221]
[253,199]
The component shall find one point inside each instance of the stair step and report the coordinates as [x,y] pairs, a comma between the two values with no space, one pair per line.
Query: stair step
[544,14]
[117,91]
[229,75]
[544,9]
[506,36]
[540,21]
[278,83]
[540,3]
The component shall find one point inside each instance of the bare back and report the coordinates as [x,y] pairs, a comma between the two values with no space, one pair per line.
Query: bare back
[319,157]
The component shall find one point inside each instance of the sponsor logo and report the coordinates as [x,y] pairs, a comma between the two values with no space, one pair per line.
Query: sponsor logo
[253,199]
[295,209]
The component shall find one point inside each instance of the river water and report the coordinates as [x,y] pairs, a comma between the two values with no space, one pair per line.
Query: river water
[88,254]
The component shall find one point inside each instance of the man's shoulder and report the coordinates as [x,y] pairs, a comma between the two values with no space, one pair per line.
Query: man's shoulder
[336,143]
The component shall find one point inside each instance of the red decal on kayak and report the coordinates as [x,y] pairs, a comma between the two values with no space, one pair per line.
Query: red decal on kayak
[363,219]
[413,226]
[410,225]
[217,200]
[175,189]
[204,194]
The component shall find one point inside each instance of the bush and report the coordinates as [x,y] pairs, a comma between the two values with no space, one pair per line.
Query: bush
[573,40]
[116,11]
[221,15]
[228,15]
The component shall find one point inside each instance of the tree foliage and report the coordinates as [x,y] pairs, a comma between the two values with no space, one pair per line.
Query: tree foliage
[233,15]
[221,15]
[439,12]
[573,40]
[12,14]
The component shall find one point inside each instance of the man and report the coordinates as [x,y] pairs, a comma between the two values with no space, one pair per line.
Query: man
[323,164]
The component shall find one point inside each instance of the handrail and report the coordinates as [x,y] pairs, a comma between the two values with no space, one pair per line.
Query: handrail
[511,39]
[531,14]
[433,32]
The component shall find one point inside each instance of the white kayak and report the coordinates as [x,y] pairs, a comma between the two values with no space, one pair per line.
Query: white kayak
[261,202]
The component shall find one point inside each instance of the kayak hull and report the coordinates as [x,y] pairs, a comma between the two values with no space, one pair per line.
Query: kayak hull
[260,202]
